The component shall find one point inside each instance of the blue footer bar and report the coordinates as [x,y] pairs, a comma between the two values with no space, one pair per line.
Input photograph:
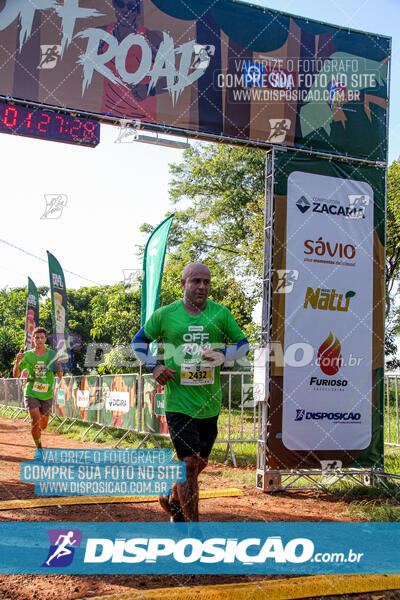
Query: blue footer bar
[172,548]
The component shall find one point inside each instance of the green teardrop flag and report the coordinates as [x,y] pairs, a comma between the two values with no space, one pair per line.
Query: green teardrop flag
[32,314]
[59,307]
[153,265]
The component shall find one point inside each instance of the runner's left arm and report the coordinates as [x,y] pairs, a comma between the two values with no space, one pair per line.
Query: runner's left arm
[141,347]
[236,351]
[240,346]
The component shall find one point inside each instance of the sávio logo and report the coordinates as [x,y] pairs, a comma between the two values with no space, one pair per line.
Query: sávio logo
[322,299]
[303,204]
[330,356]
[62,547]
[322,247]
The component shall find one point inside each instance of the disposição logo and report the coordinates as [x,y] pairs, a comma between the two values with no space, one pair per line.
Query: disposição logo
[62,547]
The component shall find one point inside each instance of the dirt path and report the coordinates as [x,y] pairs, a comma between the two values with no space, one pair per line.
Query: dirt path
[16,445]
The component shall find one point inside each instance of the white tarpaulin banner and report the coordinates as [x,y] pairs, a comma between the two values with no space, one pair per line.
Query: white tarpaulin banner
[327,384]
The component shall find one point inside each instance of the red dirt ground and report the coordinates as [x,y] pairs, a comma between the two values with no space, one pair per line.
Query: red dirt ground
[253,505]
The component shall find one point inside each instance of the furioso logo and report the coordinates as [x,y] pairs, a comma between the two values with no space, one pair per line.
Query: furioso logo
[330,356]
[62,547]
[303,204]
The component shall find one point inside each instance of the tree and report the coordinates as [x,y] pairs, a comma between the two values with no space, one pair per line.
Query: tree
[392,264]
[116,318]
[12,325]
[392,232]
[225,188]
[96,315]
[220,193]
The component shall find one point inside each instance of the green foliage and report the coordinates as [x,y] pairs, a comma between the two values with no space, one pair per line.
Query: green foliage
[223,187]
[392,229]
[116,319]
[392,263]
[106,314]
[218,192]
[116,314]
[12,325]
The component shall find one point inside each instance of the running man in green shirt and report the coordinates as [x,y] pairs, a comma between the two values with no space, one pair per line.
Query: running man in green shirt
[194,332]
[41,363]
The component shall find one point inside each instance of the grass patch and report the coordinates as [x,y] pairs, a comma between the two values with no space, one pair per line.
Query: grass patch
[378,510]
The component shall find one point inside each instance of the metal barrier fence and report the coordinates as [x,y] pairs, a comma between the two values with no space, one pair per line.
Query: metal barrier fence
[135,404]
[392,435]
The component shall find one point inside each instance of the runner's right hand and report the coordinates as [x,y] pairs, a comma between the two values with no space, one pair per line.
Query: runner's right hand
[20,355]
[162,374]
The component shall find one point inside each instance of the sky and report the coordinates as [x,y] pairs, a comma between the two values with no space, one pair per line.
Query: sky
[111,190]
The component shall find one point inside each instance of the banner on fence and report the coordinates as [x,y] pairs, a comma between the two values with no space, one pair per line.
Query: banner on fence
[58,292]
[220,68]
[32,314]
[326,394]
[118,404]
[154,419]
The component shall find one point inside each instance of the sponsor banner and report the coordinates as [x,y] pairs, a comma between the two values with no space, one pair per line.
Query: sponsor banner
[326,393]
[154,419]
[224,69]
[327,404]
[82,398]
[118,401]
[201,548]
[58,292]
[32,314]
[63,392]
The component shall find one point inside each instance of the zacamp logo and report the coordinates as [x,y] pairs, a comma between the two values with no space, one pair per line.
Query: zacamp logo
[330,356]
[62,547]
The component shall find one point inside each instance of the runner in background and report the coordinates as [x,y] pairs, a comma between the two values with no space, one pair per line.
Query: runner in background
[194,330]
[41,363]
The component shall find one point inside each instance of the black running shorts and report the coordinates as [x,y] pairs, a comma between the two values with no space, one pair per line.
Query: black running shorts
[192,436]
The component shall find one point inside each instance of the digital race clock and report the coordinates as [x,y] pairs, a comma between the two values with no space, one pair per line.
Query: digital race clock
[48,125]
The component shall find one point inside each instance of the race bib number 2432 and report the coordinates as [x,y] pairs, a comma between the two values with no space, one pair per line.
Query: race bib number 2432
[197,374]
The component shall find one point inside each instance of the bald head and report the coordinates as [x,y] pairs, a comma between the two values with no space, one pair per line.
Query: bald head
[194,268]
[196,287]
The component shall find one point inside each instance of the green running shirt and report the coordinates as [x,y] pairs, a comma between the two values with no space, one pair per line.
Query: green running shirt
[39,383]
[197,389]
